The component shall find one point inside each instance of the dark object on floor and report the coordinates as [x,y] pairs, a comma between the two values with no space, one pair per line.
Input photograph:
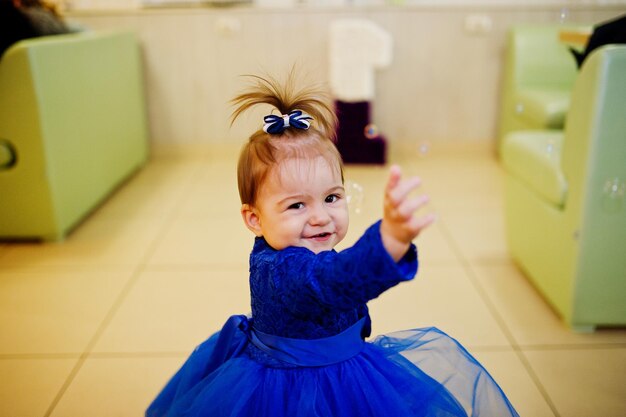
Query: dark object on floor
[358,140]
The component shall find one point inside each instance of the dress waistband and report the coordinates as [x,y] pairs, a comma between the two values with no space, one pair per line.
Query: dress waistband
[311,352]
[300,352]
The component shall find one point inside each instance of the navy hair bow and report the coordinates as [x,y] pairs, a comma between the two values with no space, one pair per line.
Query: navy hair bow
[277,124]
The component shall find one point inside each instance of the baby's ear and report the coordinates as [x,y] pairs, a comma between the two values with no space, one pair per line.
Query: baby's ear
[251,219]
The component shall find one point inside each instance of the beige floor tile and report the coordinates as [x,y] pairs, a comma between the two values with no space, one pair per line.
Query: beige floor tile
[509,372]
[28,386]
[54,311]
[141,202]
[527,314]
[480,187]
[95,243]
[583,382]
[116,387]
[174,311]
[154,192]
[460,180]
[190,152]
[434,246]
[204,240]
[478,234]
[211,200]
[165,172]
[148,196]
[440,296]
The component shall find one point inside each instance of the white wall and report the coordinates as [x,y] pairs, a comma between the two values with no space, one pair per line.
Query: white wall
[443,84]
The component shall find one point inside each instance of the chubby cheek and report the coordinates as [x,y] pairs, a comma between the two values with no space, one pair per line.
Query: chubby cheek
[342,221]
[278,236]
[288,232]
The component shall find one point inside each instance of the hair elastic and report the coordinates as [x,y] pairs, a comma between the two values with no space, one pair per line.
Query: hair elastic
[277,124]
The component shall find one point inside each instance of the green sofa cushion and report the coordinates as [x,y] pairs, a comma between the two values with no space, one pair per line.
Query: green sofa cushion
[539,107]
[72,128]
[534,157]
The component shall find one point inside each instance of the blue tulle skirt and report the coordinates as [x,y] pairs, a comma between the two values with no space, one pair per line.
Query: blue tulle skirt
[419,372]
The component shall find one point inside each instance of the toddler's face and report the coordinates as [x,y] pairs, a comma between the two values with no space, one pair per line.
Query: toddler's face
[301,203]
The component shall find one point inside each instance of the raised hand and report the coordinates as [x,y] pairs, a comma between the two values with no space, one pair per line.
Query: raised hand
[400,223]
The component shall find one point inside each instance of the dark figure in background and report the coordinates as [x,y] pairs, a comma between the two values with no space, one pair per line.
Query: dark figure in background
[613,31]
[23,19]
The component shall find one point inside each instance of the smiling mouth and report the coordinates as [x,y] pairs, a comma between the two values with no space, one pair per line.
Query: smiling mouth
[321,236]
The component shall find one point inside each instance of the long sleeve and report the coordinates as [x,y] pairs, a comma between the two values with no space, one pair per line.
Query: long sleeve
[308,283]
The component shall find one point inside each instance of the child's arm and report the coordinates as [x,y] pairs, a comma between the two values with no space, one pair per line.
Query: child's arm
[310,283]
[400,225]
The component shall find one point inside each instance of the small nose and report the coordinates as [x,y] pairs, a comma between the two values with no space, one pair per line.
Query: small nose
[319,216]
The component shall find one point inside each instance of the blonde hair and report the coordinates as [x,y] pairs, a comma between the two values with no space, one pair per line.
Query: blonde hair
[263,151]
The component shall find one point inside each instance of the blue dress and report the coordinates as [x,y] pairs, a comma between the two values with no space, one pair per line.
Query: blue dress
[303,354]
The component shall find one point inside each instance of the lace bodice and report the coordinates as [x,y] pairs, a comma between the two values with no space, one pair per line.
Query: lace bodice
[299,294]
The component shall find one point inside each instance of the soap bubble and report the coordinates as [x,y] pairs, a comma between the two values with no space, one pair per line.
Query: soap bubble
[423,148]
[519,108]
[563,15]
[550,148]
[613,195]
[354,196]
[371,131]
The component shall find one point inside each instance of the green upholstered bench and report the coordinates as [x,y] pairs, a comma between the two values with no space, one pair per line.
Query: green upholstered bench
[539,72]
[534,158]
[72,128]
[565,199]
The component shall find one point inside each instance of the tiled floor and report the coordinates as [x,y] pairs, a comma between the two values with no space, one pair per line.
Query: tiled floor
[95,325]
